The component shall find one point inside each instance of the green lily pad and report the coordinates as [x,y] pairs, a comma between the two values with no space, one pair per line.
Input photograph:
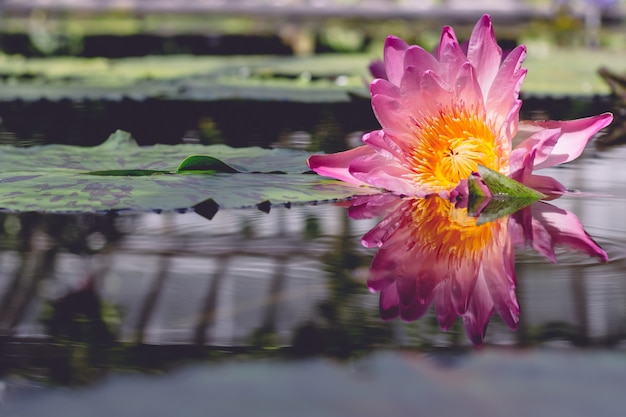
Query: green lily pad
[120,175]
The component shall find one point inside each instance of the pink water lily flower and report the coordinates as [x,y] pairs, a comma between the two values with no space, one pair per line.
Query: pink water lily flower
[443,115]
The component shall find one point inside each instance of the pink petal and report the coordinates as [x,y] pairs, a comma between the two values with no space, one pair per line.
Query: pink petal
[484,53]
[574,137]
[435,92]
[467,88]
[390,142]
[420,59]
[336,165]
[377,69]
[541,144]
[385,172]
[503,96]
[451,57]
[390,113]
[384,87]
[394,51]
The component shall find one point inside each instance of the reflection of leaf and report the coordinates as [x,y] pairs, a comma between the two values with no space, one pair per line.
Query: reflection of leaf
[499,207]
[507,195]
[53,178]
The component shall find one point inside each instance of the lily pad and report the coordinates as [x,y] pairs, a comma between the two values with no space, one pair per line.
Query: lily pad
[120,175]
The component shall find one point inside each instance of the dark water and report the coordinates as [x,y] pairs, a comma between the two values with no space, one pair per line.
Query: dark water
[269,314]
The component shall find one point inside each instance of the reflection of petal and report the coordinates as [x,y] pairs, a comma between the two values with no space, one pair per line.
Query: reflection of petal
[478,312]
[546,226]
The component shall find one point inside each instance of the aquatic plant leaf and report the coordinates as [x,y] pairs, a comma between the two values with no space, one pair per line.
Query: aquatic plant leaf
[493,195]
[204,164]
[120,175]
[500,185]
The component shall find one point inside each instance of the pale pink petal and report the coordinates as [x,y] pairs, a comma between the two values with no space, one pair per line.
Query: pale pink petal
[435,92]
[392,143]
[394,51]
[420,59]
[390,113]
[484,53]
[574,137]
[540,144]
[545,185]
[336,165]
[417,101]
[384,87]
[451,57]
[502,99]
[384,230]
[468,90]
[385,172]
[507,81]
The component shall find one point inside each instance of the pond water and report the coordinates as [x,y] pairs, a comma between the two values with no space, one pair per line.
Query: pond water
[269,314]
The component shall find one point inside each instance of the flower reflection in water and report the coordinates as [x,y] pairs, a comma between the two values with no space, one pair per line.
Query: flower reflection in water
[432,252]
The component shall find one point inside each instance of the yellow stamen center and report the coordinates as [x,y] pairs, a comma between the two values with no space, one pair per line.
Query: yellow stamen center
[450,145]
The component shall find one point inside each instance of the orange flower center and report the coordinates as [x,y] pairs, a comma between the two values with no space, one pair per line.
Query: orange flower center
[450,145]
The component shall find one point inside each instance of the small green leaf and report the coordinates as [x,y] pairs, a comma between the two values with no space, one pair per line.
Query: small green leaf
[203,164]
[493,195]
[501,185]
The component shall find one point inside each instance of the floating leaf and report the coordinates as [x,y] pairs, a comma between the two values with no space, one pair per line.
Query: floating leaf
[204,164]
[120,175]
[493,195]
[501,185]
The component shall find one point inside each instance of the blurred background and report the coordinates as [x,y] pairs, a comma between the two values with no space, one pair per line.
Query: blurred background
[250,297]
